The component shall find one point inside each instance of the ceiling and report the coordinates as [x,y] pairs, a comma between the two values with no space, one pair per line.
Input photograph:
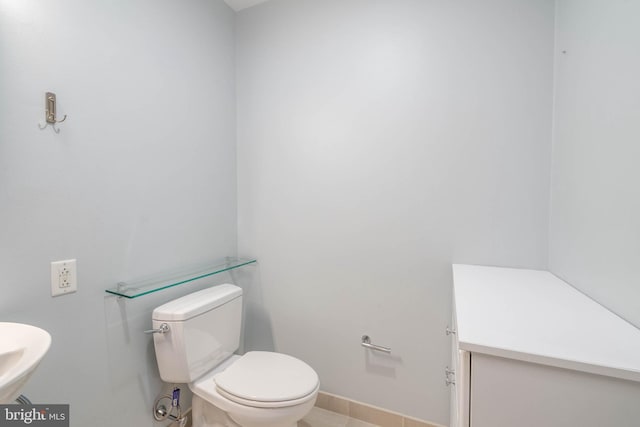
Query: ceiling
[242,4]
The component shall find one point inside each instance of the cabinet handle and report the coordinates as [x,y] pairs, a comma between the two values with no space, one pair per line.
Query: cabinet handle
[450,331]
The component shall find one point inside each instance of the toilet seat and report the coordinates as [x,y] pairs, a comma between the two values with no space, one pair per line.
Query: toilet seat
[265,380]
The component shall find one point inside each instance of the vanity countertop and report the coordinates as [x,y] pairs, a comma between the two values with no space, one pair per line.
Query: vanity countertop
[534,316]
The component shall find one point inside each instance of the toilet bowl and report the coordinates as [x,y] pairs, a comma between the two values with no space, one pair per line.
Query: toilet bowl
[258,389]
[282,391]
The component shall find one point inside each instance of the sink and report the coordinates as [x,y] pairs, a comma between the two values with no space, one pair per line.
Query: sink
[22,347]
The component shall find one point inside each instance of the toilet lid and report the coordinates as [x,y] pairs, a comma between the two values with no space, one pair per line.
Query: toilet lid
[261,376]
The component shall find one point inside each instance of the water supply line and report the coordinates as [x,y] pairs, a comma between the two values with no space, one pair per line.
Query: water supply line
[23,400]
[161,412]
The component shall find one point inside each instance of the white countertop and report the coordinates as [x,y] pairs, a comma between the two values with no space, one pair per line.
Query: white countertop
[536,317]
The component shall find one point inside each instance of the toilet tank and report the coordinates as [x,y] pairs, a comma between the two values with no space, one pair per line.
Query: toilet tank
[204,330]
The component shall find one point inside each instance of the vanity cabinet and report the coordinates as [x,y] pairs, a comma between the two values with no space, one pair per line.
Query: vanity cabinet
[529,350]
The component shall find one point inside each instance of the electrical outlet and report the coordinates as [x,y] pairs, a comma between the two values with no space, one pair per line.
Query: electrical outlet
[63,277]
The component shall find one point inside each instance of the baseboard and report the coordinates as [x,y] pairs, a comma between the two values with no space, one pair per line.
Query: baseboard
[368,413]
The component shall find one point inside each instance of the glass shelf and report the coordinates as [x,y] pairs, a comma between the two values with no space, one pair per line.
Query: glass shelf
[137,288]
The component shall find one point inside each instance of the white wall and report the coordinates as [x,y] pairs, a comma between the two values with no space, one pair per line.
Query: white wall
[141,179]
[595,214]
[379,141]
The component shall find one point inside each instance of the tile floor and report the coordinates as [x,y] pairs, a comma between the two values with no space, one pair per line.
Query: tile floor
[367,415]
[336,411]
[319,417]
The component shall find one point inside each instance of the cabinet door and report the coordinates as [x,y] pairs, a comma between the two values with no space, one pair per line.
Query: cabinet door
[463,387]
[459,382]
[508,393]
[453,408]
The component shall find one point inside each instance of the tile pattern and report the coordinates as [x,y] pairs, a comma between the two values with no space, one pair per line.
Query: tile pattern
[319,417]
[356,411]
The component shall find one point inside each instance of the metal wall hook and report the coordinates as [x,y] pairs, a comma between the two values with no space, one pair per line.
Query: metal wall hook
[53,125]
[50,112]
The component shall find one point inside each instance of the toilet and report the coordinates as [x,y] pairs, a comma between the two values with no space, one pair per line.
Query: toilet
[195,339]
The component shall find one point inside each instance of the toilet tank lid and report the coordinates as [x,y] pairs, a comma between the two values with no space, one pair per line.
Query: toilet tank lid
[191,305]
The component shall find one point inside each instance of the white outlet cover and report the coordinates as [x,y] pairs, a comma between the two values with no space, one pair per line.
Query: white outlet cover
[63,277]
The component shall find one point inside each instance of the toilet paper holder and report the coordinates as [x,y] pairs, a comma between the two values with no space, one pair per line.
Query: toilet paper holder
[366,342]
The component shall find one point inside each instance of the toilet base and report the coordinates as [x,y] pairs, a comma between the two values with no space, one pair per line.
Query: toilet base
[205,414]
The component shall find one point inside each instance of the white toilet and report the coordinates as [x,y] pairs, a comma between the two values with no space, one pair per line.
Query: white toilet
[259,389]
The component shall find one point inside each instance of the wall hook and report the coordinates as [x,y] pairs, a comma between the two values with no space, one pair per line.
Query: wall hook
[50,112]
